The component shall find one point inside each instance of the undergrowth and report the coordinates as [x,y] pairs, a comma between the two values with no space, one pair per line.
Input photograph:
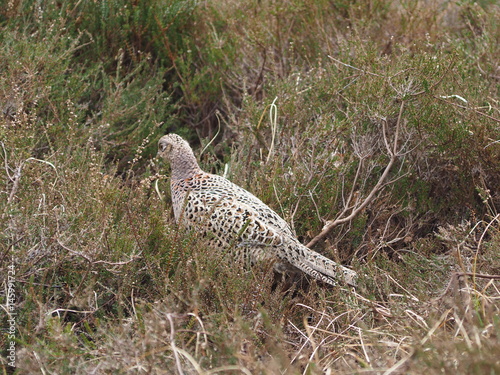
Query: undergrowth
[373,128]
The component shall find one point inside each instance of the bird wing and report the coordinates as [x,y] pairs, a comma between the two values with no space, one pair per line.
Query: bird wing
[211,188]
[234,221]
[242,222]
[260,209]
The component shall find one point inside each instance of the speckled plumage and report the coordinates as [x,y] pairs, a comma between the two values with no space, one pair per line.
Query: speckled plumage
[236,219]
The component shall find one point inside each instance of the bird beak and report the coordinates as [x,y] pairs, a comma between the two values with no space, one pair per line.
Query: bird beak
[159,158]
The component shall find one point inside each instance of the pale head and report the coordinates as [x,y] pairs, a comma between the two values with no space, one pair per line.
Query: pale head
[179,154]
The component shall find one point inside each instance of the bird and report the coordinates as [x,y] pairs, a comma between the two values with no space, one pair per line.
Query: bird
[237,221]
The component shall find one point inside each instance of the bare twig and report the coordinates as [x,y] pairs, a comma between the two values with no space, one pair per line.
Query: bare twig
[469,108]
[15,186]
[351,194]
[174,348]
[273,118]
[198,334]
[216,134]
[353,67]
[18,172]
[478,275]
[394,154]
[228,368]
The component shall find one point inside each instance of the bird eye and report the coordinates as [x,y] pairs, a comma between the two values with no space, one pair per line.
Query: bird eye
[165,147]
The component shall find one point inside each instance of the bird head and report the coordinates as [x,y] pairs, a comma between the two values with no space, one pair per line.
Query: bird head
[171,145]
[177,152]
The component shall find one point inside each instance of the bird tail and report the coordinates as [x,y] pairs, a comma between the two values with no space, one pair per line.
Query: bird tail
[318,266]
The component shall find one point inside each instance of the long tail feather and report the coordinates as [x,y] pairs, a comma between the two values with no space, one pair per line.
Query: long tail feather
[318,266]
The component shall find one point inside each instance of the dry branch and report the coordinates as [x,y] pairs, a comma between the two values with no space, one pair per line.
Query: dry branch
[393,155]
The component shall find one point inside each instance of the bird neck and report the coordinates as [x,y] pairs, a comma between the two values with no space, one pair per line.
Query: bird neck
[184,166]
